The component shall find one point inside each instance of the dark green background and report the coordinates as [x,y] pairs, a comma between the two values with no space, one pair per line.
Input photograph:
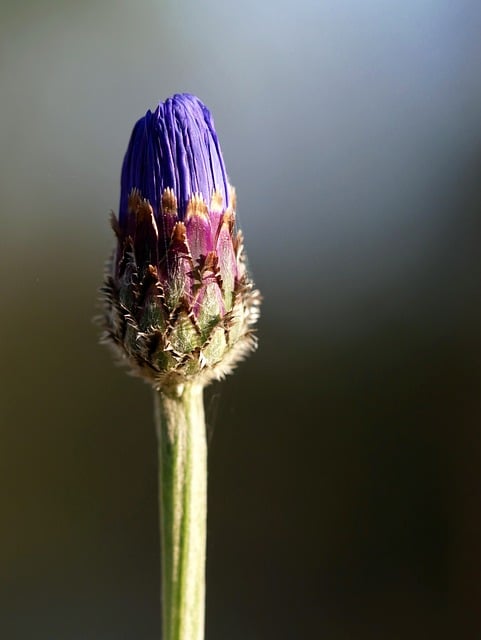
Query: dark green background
[344,471]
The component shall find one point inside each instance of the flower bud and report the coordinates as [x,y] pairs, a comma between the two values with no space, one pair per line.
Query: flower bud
[179,304]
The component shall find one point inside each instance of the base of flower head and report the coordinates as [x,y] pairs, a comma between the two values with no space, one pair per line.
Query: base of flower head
[191,324]
[140,350]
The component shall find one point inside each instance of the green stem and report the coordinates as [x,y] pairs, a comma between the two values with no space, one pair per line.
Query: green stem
[181,435]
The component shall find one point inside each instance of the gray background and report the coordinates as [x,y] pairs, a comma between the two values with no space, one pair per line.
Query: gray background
[345,455]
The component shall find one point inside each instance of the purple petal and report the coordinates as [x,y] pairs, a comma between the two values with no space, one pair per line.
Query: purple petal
[176,146]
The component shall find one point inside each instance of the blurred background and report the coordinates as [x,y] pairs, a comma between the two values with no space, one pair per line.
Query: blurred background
[345,456]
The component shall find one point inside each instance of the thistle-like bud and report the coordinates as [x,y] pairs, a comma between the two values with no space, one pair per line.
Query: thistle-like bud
[179,304]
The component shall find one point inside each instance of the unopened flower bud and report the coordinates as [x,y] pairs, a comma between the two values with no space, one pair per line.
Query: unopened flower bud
[179,304]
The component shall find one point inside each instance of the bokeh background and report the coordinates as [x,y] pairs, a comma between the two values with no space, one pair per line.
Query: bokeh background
[345,456]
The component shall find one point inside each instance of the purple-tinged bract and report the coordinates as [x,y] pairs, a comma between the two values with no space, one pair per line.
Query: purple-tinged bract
[179,303]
